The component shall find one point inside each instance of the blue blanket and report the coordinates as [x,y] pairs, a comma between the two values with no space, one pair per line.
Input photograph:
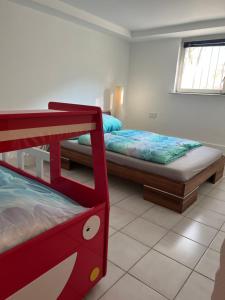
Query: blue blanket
[145,145]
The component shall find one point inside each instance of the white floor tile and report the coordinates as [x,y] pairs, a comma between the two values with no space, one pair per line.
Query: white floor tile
[197,287]
[135,204]
[205,188]
[120,217]
[199,200]
[218,241]
[129,288]
[221,185]
[124,185]
[223,228]
[209,264]
[111,231]
[213,204]
[161,273]
[162,216]
[144,231]
[181,249]
[121,190]
[191,207]
[117,194]
[206,217]
[80,173]
[218,194]
[162,269]
[125,251]
[113,274]
[195,231]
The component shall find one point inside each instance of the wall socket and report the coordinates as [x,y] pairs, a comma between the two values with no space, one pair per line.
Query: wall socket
[153,115]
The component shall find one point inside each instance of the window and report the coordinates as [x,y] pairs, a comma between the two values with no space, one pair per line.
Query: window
[202,67]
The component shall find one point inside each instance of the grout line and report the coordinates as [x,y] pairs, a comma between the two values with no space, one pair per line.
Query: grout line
[151,248]
[213,198]
[141,241]
[161,226]
[113,283]
[148,286]
[167,231]
[189,218]
[183,284]
[194,240]
[122,199]
[204,275]
[136,217]
[206,224]
[126,273]
[112,233]
[192,269]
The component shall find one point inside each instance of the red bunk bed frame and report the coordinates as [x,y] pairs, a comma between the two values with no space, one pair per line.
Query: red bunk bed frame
[84,236]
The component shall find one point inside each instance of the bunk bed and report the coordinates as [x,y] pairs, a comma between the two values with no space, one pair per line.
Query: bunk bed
[65,258]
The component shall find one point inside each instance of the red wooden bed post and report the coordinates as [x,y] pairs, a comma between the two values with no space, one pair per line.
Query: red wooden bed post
[100,171]
[100,175]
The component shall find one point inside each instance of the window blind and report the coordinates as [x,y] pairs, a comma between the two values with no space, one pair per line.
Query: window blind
[205,43]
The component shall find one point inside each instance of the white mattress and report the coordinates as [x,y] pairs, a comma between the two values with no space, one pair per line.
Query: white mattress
[182,169]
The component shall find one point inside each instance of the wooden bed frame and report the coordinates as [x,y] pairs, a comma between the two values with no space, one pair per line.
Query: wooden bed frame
[175,195]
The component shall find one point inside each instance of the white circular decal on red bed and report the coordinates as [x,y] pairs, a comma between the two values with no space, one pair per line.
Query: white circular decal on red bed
[91,227]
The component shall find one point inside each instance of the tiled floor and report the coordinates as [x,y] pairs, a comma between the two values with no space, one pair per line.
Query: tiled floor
[157,254]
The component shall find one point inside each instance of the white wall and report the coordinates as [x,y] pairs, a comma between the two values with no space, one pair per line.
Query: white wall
[151,78]
[43,57]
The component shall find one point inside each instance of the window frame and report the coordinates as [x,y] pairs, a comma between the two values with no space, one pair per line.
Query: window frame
[180,68]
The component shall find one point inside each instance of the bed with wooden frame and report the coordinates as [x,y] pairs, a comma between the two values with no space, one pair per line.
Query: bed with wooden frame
[174,194]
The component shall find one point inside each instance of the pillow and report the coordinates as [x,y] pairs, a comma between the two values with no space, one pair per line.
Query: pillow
[111,123]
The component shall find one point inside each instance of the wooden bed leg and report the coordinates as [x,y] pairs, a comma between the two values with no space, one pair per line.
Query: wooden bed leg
[217,176]
[170,201]
[66,163]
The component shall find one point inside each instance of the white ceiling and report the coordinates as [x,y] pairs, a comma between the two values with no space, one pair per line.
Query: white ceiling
[147,14]
[139,19]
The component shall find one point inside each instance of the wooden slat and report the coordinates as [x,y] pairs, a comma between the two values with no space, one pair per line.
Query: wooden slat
[11,135]
[168,200]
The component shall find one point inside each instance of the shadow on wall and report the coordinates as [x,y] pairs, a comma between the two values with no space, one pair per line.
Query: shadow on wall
[108,100]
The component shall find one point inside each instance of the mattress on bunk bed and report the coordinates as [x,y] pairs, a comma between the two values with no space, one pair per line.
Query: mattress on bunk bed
[182,169]
[28,208]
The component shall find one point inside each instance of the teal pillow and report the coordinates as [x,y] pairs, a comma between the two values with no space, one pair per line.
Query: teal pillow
[111,123]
